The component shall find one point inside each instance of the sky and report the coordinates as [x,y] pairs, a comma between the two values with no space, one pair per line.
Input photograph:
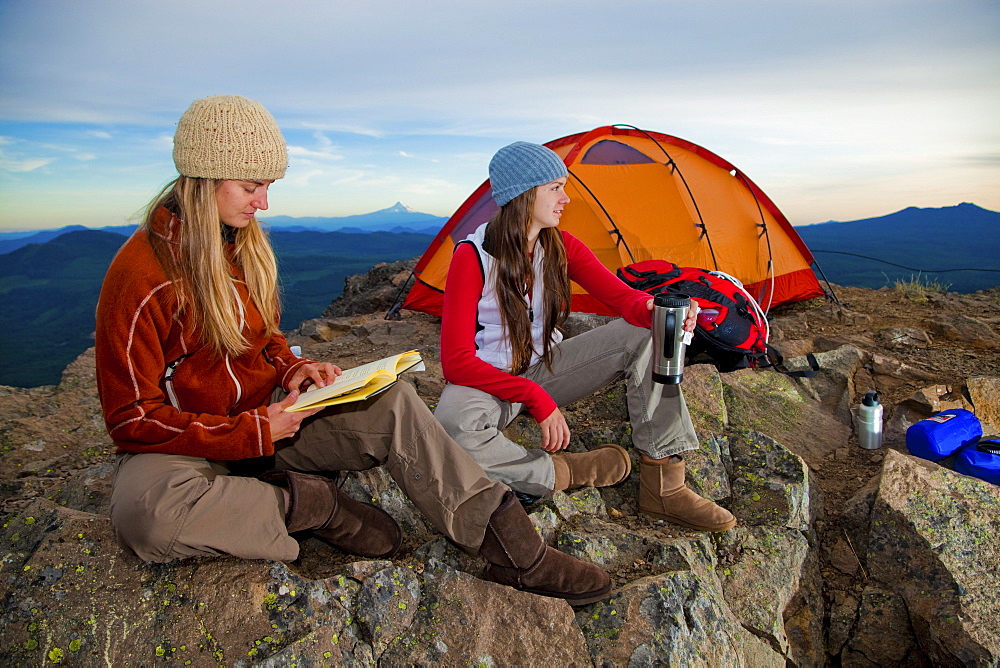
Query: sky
[838,110]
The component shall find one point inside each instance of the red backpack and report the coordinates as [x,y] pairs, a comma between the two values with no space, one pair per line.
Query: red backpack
[732,329]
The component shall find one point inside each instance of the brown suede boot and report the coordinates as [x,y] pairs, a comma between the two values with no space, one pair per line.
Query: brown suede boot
[663,495]
[520,559]
[316,504]
[602,467]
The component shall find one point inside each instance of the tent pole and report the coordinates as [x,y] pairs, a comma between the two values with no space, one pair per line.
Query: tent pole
[397,305]
[766,233]
[836,300]
[673,165]
[614,227]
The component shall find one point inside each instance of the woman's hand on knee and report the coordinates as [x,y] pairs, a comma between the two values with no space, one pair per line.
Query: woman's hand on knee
[284,424]
[555,432]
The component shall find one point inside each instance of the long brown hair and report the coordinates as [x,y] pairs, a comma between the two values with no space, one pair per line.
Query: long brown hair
[507,240]
[197,263]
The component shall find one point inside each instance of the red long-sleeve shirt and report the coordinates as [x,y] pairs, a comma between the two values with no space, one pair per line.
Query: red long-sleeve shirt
[463,291]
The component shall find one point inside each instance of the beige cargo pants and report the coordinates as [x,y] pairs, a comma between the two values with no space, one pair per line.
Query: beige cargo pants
[661,425]
[165,507]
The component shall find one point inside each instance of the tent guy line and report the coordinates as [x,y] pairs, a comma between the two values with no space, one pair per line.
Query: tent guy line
[903,266]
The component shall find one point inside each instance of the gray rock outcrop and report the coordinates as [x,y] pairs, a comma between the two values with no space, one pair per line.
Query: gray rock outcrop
[931,556]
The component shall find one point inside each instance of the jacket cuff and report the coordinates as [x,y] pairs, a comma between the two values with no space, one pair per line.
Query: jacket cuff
[543,411]
[266,441]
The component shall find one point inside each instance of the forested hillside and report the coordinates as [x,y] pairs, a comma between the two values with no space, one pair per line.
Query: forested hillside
[48,291]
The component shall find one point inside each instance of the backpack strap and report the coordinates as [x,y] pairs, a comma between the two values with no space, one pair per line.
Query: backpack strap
[648,274]
[777,362]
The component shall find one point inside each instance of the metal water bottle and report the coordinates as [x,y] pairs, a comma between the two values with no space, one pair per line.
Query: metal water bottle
[669,338]
[870,422]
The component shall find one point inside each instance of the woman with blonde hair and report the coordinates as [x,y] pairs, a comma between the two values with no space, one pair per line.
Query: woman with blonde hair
[195,378]
[508,292]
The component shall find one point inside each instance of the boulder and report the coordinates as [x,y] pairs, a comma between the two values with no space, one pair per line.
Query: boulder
[984,391]
[774,404]
[674,618]
[964,329]
[372,292]
[883,635]
[932,546]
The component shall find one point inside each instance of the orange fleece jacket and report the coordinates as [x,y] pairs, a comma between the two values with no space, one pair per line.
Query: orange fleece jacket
[205,406]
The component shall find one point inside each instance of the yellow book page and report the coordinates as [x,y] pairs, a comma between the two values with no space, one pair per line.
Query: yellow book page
[384,372]
[376,385]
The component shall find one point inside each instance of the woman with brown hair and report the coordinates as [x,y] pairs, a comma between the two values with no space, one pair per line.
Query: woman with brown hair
[502,352]
[194,378]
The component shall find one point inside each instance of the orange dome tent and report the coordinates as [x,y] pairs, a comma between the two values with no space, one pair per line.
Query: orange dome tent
[639,195]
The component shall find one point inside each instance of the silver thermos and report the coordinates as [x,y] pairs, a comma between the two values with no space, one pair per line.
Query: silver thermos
[669,338]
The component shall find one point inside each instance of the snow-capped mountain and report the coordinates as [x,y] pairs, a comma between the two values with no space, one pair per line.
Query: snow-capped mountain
[397,218]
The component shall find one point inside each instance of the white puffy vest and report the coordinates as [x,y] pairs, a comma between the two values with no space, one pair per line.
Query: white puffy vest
[492,343]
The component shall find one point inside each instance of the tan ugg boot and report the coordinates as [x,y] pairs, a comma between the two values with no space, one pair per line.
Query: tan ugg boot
[318,505]
[602,467]
[663,495]
[520,559]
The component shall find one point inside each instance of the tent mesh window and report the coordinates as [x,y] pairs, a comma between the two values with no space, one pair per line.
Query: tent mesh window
[610,152]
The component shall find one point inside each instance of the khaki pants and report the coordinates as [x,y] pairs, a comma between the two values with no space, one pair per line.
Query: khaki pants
[165,507]
[661,425]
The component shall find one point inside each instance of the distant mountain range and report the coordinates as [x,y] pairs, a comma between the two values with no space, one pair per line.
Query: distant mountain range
[397,218]
[956,246]
[49,280]
[11,241]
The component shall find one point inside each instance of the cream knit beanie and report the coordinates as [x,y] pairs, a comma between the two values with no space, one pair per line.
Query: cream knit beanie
[229,137]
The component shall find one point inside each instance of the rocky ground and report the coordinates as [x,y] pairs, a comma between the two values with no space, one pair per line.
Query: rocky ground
[938,337]
[921,345]
[938,334]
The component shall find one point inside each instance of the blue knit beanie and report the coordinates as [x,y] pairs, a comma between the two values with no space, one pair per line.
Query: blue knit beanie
[520,166]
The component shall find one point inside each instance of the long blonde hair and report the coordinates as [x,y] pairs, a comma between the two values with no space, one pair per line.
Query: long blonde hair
[197,263]
[507,240]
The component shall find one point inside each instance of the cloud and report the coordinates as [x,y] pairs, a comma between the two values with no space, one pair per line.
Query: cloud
[324,149]
[305,177]
[391,96]
[428,187]
[340,128]
[14,164]
[304,152]
[366,179]
[980,159]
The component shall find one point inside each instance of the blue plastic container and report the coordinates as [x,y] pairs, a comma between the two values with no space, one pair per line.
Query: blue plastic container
[942,434]
[977,460]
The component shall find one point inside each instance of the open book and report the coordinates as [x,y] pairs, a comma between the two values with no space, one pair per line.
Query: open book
[361,382]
